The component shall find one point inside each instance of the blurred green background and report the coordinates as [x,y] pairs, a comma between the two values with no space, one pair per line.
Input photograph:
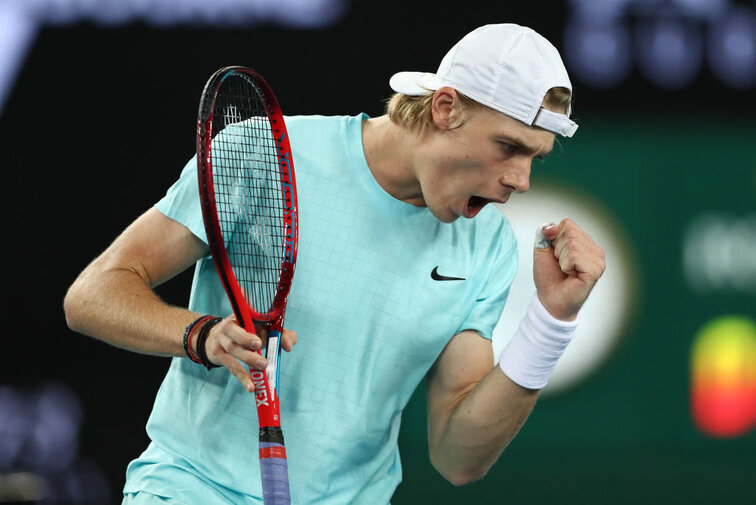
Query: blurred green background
[626,434]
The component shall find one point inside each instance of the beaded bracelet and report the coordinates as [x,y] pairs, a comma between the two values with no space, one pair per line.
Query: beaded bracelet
[202,337]
[188,337]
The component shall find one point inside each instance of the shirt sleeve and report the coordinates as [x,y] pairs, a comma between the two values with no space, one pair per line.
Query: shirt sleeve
[181,202]
[489,305]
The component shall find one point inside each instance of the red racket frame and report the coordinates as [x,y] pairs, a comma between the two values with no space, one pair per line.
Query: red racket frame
[265,395]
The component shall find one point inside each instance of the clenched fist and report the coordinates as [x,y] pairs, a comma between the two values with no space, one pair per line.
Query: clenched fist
[566,266]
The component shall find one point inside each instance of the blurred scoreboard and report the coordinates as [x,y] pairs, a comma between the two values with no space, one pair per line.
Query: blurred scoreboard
[671,42]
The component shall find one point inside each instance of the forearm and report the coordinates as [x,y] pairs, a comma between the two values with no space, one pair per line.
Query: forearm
[471,422]
[118,306]
[469,437]
[112,299]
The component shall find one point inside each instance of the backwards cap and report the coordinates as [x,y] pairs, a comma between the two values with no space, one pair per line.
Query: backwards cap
[507,67]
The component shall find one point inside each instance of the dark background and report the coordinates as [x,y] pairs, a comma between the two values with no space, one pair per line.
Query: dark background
[101,120]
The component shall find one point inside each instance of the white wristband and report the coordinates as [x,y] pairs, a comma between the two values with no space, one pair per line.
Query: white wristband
[532,353]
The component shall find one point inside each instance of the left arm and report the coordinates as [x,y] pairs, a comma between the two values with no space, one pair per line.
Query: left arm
[474,408]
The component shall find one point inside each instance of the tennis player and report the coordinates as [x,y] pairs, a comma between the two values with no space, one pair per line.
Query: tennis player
[402,273]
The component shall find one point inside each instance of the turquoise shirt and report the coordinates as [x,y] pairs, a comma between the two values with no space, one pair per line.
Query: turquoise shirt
[370,319]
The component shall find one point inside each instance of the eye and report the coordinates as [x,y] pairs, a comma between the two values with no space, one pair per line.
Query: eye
[510,148]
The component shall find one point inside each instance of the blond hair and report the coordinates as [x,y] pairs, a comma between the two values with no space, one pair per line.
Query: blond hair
[414,113]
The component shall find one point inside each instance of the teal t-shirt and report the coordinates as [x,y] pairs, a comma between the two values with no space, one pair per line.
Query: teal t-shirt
[370,319]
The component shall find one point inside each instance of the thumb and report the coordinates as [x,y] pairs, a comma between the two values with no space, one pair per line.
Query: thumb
[545,233]
[546,271]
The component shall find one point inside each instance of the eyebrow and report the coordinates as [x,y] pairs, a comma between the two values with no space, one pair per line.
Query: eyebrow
[509,139]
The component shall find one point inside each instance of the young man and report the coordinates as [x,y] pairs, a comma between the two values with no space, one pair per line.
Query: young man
[395,281]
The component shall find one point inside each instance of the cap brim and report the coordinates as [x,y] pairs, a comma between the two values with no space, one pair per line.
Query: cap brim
[414,83]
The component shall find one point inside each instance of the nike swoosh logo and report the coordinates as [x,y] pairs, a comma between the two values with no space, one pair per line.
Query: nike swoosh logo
[437,277]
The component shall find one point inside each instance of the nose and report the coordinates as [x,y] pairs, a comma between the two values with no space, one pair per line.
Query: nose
[517,175]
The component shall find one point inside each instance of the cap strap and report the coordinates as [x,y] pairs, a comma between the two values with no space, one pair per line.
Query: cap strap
[555,122]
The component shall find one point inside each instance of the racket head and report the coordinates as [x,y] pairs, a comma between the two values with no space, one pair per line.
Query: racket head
[247,192]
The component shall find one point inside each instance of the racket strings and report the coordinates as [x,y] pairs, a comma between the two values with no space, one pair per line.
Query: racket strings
[248,190]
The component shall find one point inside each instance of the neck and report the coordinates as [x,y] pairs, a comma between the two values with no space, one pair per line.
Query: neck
[389,151]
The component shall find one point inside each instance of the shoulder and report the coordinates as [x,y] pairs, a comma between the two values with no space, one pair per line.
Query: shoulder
[316,125]
[324,140]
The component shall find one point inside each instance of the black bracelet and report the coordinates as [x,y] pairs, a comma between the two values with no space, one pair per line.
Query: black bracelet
[187,338]
[202,337]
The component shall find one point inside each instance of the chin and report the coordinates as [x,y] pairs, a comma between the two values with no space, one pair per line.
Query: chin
[442,212]
[445,218]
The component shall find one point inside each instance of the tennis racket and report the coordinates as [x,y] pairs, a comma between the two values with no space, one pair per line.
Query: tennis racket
[249,206]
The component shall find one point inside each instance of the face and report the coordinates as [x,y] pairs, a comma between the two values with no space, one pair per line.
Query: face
[484,159]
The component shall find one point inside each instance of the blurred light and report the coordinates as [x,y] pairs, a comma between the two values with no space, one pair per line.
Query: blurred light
[732,48]
[668,36]
[17,31]
[309,13]
[54,440]
[701,9]
[39,445]
[718,253]
[600,8]
[599,53]
[670,52]
[21,487]
[21,19]
[723,377]
[14,425]
[604,314]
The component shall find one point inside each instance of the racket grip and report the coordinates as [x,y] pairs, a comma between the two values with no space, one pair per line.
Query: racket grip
[274,471]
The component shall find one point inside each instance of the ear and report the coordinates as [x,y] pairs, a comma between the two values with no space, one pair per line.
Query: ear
[446,108]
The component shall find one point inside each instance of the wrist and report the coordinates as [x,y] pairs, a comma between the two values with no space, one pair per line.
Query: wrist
[195,340]
[534,350]
[552,316]
[189,339]
[202,335]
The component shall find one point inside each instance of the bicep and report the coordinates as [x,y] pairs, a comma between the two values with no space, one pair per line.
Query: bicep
[465,360]
[154,247]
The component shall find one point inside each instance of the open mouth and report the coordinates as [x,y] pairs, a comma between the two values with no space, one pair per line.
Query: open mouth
[474,205]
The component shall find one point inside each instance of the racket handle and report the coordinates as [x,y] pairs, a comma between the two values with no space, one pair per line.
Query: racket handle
[274,469]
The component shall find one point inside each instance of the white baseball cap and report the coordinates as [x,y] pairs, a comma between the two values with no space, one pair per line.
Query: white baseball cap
[507,67]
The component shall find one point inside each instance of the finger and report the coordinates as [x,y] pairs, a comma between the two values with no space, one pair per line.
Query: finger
[252,359]
[575,239]
[231,339]
[250,356]
[239,335]
[289,339]
[572,238]
[238,371]
[567,263]
[587,264]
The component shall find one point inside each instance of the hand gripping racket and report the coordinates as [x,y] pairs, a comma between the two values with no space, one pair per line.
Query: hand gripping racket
[249,206]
